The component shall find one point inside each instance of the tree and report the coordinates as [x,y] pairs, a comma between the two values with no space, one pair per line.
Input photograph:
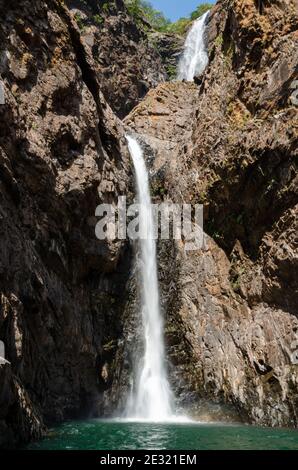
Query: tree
[200,10]
[155,17]
[179,27]
[134,7]
[143,9]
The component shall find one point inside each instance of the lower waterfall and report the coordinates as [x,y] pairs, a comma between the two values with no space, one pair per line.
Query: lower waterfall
[152,397]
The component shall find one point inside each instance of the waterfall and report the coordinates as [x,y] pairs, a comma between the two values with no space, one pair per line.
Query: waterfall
[195,58]
[151,399]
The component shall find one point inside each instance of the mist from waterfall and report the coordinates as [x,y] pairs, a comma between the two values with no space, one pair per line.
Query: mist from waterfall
[151,399]
[194,59]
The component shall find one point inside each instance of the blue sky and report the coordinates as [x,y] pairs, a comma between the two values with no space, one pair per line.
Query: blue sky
[174,9]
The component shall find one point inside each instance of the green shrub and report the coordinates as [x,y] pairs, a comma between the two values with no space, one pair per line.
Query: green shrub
[106,7]
[98,19]
[79,21]
[171,71]
[179,27]
[219,40]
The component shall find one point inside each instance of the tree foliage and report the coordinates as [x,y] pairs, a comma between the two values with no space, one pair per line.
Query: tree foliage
[142,9]
[155,17]
[200,10]
[181,26]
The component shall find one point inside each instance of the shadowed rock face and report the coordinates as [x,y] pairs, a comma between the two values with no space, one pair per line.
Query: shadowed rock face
[125,59]
[170,47]
[230,143]
[62,153]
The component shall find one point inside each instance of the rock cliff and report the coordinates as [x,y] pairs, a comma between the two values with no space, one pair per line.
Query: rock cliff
[125,59]
[230,143]
[62,153]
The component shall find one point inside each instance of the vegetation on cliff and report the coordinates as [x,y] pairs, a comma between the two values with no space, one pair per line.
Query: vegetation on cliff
[142,9]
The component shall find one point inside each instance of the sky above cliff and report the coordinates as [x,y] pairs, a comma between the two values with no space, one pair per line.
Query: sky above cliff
[175,9]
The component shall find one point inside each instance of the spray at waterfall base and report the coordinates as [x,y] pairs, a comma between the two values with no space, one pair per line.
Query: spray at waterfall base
[170,221]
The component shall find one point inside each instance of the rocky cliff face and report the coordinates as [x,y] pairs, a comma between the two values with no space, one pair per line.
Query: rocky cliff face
[69,309]
[126,62]
[230,143]
[169,47]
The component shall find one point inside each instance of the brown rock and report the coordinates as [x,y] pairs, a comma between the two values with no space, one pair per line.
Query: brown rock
[232,314]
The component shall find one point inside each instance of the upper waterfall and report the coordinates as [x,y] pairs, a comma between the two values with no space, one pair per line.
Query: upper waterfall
[194,59]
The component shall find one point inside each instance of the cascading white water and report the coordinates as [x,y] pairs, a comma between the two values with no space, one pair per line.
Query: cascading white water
[151,398]
[195,58]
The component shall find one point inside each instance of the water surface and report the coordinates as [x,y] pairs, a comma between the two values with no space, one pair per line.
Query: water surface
[101,435]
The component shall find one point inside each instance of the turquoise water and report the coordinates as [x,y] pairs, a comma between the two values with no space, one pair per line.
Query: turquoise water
[100,435]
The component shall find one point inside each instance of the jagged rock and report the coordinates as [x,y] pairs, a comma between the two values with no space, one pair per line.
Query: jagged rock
[127,62]
[170,48]
[62,152]
[232,309]
[20,419]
